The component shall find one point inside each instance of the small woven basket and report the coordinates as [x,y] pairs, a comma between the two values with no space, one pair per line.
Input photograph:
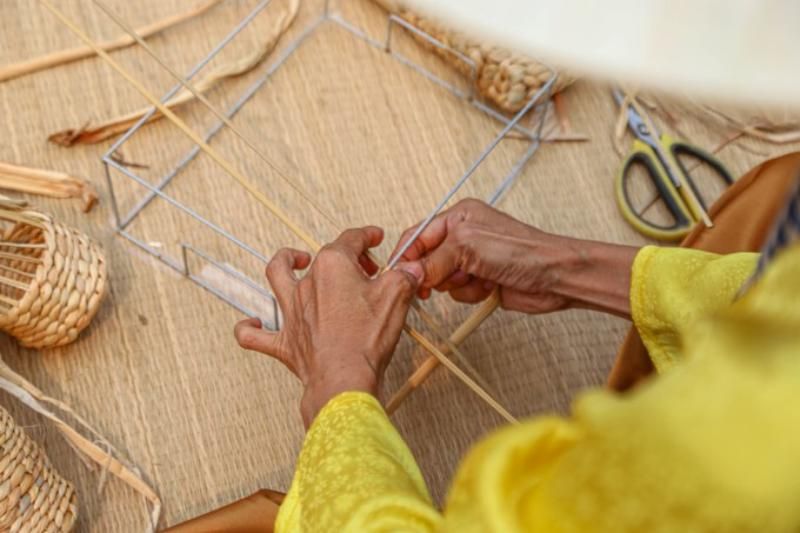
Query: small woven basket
[33,496]
[52,278]
[505,78]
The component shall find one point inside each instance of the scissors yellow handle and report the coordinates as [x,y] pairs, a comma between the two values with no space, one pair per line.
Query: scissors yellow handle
[673,183]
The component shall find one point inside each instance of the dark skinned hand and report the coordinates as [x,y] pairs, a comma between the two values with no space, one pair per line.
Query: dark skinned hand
[471,248]
[340,325]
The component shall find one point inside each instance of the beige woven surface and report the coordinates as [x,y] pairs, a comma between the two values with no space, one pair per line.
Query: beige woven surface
[158,371]
[34,497]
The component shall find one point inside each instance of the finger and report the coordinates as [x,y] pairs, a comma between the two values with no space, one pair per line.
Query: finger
[358,240]
[407,276]
[458,279]
[280,272]
[430,238]
[368,265]
[440,264]
[473,292]
[251,336]
[399,286]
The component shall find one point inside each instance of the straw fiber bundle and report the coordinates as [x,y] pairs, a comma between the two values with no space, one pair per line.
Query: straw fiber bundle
[33,496]
[52,278]
[505,78]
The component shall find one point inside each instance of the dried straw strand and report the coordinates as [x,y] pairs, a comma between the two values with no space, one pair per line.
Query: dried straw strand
[108,460]
[244,182]
[63,57]
[88,134]
[764,130]
[47,183]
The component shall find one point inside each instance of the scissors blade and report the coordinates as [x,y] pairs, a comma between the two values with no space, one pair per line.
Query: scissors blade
[636,123]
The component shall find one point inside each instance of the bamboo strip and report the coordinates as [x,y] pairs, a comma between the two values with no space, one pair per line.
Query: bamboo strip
[46,183]
[9,301]
[17,271]
[427,367]
[425,343]
[14,244]
[450,348]
[244,182]
[13,283]
[17,257]
[105,130]
[23,218]
[63,57]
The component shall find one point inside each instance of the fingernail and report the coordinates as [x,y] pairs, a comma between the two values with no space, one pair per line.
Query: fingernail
[413,268]
[459,277]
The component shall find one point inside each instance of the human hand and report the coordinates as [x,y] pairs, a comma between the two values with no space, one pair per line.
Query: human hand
[340,326]
[471,248]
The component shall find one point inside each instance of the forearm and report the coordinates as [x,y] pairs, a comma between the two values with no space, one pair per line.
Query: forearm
[589,274]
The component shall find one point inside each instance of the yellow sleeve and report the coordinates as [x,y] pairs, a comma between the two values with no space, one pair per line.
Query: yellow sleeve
[711,445]
[673,287]
[356,474]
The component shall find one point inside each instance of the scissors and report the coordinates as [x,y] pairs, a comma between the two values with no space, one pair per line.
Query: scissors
[658,154]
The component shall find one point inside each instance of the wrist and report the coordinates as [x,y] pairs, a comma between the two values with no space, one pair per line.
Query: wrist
[320,391]
[592,275]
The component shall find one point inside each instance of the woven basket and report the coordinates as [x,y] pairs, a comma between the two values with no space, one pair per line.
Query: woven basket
[33,496]
[505,78]
[52,278]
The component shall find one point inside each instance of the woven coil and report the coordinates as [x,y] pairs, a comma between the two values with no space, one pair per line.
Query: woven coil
[53,280]
[503,77]
[33,496]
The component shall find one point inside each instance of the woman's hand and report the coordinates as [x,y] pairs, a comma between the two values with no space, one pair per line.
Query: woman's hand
[471,248]
[340,327]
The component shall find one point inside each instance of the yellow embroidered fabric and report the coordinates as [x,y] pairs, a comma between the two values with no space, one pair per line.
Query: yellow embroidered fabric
[711,445]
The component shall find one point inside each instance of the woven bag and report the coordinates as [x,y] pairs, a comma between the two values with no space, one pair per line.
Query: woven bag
[33,496]
[505,78]
[52,278]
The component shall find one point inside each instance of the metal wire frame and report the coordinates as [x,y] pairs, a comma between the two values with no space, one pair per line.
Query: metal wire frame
[539,102]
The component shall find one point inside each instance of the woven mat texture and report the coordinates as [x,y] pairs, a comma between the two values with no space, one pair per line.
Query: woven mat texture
[159,373]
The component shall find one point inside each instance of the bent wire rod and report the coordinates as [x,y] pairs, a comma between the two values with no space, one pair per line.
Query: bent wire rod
[279,213]
[470,171]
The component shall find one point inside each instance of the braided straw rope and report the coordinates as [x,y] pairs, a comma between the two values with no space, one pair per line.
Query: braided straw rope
[52,278]
[505,78]
[33,496]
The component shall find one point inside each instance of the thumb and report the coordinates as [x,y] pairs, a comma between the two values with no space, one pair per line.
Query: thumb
[251,336]
[439,265]
[407,276]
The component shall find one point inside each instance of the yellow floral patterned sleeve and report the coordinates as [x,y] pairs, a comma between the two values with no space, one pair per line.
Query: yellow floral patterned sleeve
[355,473]
[673,287]
[711,445]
